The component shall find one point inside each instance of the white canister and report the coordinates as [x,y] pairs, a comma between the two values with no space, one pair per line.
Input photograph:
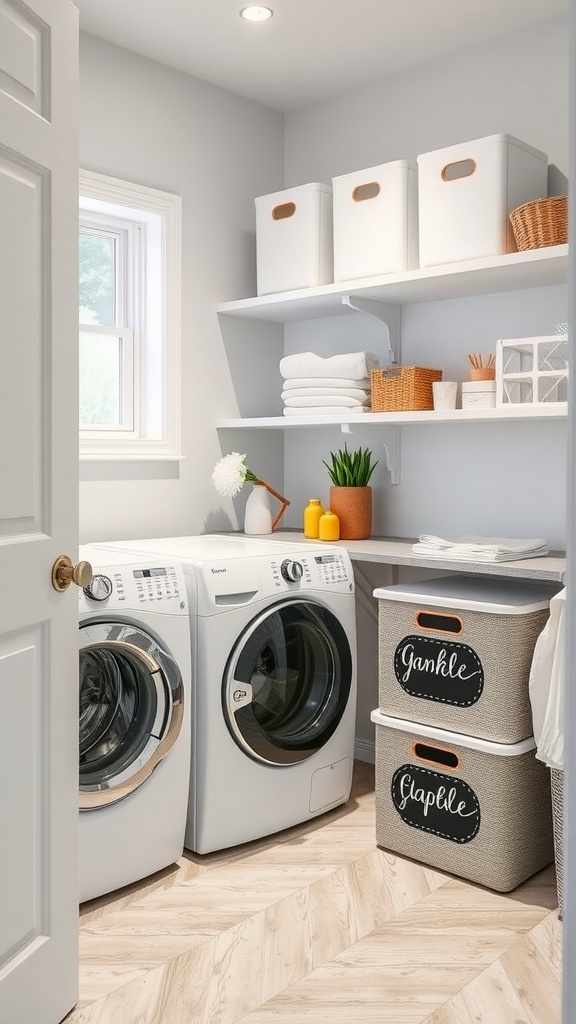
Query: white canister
[478,394]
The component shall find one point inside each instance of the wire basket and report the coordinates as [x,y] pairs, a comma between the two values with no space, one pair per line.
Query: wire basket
[402,388]
[557,787]
[541,223]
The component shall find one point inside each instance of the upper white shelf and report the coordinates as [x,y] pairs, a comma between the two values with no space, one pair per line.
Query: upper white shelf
[534,268]
[543,411]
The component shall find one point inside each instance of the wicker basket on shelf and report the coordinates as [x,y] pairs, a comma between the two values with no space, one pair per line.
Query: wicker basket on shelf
[402,388]
[541,223]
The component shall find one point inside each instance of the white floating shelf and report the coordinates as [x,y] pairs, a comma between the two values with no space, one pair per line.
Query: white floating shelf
[528,411]
[534,268]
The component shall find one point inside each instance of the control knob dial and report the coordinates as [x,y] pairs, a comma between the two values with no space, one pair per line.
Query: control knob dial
[99,588]
[291,571]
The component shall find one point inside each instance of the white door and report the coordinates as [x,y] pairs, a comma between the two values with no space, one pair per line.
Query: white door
[38,509]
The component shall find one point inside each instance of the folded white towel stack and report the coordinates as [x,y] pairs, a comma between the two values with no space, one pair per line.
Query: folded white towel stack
[327,382]
[480,549]
[326,385]
[309,364]
[322,410]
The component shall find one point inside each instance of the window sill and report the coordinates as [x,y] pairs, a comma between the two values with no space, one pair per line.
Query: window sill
[130,456]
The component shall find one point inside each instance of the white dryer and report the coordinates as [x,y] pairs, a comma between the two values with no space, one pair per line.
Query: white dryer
[274,682]
[135,684]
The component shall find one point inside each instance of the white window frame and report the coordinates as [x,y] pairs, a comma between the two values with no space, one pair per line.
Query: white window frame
[152,384]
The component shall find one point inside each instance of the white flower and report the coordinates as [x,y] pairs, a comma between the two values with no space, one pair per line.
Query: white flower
[230,473]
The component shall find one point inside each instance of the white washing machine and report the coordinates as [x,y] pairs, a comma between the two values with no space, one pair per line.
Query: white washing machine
[274,683]
[135,686]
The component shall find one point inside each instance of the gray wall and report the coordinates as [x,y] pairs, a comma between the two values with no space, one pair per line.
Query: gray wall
[147,123]
[517,85]
[491,479]
[506,479]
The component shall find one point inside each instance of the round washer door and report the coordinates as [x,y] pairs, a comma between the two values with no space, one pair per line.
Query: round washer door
[131,709]
[287,682]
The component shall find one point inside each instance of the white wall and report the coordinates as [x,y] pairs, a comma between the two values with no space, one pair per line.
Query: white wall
[147,123]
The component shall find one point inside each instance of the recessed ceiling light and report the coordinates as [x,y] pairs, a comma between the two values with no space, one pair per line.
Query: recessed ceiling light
[256,13]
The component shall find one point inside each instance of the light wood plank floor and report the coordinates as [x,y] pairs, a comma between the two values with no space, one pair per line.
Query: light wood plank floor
[318,925]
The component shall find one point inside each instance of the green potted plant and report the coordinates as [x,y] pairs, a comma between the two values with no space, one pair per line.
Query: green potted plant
[350,493]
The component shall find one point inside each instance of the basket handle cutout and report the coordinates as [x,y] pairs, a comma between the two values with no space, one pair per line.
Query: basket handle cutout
[284,211]
[369,190]
[458,169]
[439,622]
[435,755]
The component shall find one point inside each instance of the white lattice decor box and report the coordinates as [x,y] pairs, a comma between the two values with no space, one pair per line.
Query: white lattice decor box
[532,370]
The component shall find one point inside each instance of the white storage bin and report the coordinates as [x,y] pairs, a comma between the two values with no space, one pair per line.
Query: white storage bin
[294,238]
[466,193]
[474,808]
[478,394]
[376,220]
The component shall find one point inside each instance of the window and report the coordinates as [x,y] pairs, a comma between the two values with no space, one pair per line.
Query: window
[129,316]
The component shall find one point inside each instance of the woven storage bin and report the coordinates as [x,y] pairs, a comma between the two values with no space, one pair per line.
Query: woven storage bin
[456,653]
[483,813]
[402,388]
[541,223]
[557,787]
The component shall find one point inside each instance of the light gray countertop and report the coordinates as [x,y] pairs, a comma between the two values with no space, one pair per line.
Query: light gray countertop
[398,551]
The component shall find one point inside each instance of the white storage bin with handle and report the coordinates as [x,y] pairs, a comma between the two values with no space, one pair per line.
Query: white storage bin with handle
[467,191]
[294,239]
[376,220]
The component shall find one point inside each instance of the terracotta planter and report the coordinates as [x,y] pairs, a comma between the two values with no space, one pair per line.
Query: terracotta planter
[353,506]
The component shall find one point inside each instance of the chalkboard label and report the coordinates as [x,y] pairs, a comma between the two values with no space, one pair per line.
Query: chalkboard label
[442,670]
[436,803]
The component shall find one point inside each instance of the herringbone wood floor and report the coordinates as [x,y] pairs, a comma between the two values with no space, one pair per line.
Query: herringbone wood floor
[318,925]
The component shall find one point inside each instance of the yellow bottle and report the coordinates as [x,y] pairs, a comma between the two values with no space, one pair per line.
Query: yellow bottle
[329,527]
[312,514]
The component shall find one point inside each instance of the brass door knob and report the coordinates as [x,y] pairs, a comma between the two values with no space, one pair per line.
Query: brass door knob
[64,572]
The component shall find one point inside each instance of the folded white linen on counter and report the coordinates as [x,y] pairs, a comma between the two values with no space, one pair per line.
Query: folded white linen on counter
[335,393]
[309,364]
[343,401]
[547,683]
[323,410]
[480,549]
[327,382]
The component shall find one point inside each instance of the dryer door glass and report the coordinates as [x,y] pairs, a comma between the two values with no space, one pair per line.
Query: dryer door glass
[130,709]
[287,682]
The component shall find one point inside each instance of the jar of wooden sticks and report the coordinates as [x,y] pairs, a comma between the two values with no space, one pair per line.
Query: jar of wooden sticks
[481,367]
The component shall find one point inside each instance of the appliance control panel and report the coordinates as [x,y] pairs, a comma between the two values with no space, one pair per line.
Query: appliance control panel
[325,569]
[160,586]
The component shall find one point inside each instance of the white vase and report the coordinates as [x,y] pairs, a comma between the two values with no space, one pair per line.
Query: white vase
[258,514]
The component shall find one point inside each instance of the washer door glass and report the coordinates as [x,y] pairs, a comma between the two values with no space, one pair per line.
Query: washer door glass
[287,682]
[130,709]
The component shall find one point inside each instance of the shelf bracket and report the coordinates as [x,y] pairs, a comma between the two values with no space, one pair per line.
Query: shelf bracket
[391,446]
[389,315]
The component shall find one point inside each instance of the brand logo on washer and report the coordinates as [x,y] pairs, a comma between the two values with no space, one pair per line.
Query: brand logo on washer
[217,570]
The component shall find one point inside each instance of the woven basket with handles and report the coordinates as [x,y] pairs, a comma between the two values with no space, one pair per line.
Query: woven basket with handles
[402,388]
[541,223]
